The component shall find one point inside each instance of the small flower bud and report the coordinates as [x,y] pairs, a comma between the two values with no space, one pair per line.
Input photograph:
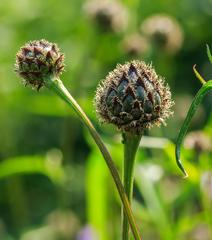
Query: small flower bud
[198,141]
[135,45]
[37,60]
[110,15]
[206,184]
[133,97]
[164,31]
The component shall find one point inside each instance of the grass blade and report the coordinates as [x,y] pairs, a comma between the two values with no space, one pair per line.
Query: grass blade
[209,53]
[197,100]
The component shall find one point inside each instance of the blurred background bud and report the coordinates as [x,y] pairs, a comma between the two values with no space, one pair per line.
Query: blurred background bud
[206,184]
[110,15]
[164,32]
[87,233]
[135,45]
[59,225]
[181,107]
[200,232]
[198,141]
[65,223]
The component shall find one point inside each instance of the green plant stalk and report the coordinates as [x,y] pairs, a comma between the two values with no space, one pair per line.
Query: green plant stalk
[197,100]
[57,86]
[131,143]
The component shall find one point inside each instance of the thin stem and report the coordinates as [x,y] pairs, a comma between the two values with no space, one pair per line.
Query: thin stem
[131,143]
[57,86]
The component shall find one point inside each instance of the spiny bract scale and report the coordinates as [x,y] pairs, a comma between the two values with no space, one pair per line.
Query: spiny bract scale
[133,97]
[39,59]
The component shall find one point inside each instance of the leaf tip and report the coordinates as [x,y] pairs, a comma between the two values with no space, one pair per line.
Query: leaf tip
[179,163]
[209,53]
[202,80]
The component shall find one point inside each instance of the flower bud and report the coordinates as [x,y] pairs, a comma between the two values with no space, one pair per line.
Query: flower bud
[164,31]
[110,15]
[133,97]
[38,60]
[135,44]
[198,141]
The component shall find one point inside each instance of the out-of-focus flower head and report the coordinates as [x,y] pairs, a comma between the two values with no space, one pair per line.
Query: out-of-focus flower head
[65,223]
[135,44]
[200,231]
[87,233]
[164,31]
[206,184]
[198,141]
[110,15]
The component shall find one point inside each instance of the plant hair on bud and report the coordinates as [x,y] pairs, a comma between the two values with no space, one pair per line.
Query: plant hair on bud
[38,60]
[133,97]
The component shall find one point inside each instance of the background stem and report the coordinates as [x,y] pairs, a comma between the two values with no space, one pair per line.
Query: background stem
[57,86]
[131,143]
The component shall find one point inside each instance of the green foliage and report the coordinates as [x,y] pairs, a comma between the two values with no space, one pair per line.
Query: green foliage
[206,87]
[33,164]
[197,100]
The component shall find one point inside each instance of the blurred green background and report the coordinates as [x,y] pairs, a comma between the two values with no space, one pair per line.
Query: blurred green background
[54,184]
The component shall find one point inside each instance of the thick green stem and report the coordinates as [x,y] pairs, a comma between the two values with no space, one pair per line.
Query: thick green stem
[131,143]
[57,86]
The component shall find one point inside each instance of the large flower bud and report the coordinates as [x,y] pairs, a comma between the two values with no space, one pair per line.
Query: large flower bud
[133,97]
[37,60]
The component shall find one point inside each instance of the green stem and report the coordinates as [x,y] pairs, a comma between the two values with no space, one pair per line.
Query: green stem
[57,86]
[131,143]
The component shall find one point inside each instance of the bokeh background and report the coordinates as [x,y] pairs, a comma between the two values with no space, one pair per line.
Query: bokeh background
[54,184]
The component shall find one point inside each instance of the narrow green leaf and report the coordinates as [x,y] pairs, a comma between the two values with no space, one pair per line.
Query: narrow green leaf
[209,53]
[202,80]
[32,165]
[197,100]
[96,194]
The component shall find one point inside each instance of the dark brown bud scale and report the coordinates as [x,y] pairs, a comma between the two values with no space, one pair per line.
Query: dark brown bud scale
[133,97]
[37,60]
